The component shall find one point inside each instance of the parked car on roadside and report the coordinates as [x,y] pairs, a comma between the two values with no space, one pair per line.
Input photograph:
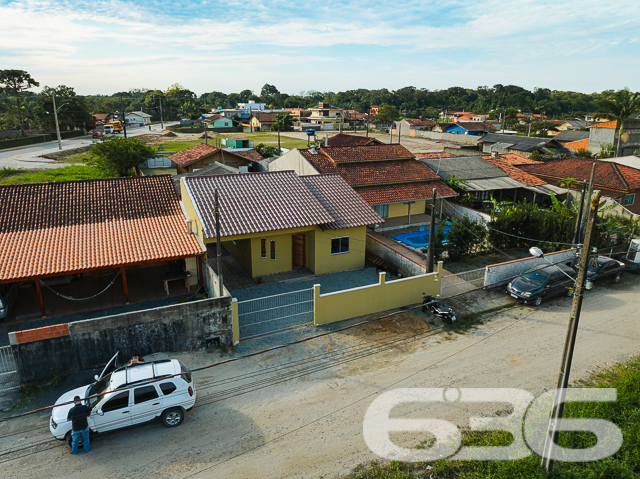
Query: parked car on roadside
[97,134]
[542,282]
[603,268]
[133,394]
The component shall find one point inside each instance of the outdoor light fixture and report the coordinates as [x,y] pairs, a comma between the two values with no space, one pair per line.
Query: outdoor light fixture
[537,252]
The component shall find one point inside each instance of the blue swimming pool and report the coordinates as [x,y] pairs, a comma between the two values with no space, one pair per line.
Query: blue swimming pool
[419,239]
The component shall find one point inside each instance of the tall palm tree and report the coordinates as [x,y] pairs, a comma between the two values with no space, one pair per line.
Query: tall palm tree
[619,107]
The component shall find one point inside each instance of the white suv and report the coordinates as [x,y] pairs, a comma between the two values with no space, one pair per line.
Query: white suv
[133,394]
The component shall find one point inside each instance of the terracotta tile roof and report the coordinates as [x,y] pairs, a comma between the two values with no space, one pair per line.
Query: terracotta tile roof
[189,156]
[382,194]
[249,155]
[59,228]
[608,175]
[472,125]
[351,140]
[101,116]
[420,122]
[434,154]
[513,159]
[265,118]
[341,201]
[606,124]
[353,154]
[577,145]
[516,173]
[256,202]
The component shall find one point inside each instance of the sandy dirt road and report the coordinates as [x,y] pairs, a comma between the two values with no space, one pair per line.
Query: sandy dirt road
[298,412]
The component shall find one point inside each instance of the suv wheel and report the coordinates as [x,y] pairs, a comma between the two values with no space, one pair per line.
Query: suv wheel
[617,278]
[537,301]
[569,292]
[68,439]
[173,417]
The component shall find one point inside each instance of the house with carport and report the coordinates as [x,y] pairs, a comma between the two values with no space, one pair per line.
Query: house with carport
[73,244]
[273,222]
[387,177]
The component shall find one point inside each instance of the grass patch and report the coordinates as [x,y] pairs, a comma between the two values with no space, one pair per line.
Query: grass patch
[467,321]
[68,173]
[7,171]
[159,171]
[179,145]
[625,413]
[80,158]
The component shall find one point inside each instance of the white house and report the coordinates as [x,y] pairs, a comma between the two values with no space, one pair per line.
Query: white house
[138,118]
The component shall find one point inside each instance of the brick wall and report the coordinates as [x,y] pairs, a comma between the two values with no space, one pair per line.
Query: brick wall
[45,332]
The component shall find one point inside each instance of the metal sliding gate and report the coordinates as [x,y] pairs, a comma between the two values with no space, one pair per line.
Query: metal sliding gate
[8,370]
[275,313]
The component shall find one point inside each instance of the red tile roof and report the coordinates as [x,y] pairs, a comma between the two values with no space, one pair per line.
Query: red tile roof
[351,140]
[434,154]
[473,125]
[356,154]
[191,155]
[49,229]
[256,203]
[265,118]
[420,122]
[382,194]
[608,175]
[606,124]
[344,204]
[516,173]
[513,159]
[577,145]
[101,116]
[249,155]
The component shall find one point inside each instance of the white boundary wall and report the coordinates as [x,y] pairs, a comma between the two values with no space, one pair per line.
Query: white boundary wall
[502,273]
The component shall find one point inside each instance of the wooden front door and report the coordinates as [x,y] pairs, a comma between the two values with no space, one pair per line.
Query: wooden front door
[299,250]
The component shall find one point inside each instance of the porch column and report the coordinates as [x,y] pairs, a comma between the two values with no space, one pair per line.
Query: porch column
[39,289]
[124,284]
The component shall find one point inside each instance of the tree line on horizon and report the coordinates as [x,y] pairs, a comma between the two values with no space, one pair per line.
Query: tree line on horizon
[19,107]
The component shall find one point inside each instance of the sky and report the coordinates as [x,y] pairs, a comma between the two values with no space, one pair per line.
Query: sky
[103,47]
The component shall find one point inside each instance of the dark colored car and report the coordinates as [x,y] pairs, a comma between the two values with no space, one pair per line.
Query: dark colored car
[541,282]
[603,269]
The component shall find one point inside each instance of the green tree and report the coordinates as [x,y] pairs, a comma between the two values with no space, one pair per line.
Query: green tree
[119,156]
[606,151]
[189,110]
[72,109]
[16,82]
[387,115]
[267,151]
[620,106]
[467,236]
[284,121]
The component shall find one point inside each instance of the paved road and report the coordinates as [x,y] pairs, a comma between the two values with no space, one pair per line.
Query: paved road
[298,412]
[28,157]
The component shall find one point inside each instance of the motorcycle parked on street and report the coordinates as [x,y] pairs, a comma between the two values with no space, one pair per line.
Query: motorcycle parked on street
[429,303]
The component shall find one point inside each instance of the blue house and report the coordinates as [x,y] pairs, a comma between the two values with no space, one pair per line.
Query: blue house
[476,128]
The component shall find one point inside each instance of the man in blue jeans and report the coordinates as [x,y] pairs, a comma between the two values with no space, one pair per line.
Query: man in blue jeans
[78,415]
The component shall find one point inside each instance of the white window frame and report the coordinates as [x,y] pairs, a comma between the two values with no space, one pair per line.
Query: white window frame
[339,239]
[382,210]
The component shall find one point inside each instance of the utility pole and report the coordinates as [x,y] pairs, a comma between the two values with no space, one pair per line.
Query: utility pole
[279,151]
[218,246]
[205,133]
[431,251]
[576,233]
[124,123]
[55,116]
[570,341]
[161,124]
[583,225]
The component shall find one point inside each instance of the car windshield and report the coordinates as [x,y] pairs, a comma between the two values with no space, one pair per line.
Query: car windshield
[98,388]
[594,265]
[535,277]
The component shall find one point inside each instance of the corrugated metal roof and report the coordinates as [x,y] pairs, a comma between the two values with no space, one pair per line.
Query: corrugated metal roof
[487,184]
[465,167]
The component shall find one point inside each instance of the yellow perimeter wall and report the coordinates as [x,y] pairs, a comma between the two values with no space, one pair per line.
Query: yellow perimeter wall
[351,303]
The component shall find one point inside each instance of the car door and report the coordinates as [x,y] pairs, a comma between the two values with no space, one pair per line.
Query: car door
[555,285]
[109,368]
[113,413]
[146,404]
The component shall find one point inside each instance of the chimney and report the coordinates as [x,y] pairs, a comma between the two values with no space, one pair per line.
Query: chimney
[189,227]
[326,140]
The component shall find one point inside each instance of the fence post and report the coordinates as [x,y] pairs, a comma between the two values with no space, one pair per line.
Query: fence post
[439,276]
[317,319]
[235,323]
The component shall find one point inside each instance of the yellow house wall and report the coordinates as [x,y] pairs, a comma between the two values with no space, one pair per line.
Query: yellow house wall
[262,266]
[325,262]
[400,209]
[196,226]
[341,305]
